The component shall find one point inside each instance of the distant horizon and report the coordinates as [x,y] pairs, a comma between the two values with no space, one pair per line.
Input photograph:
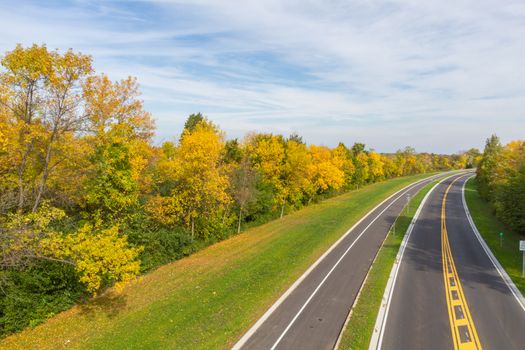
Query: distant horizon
[441,79]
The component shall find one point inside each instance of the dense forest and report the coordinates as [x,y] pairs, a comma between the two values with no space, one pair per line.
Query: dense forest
[501,180]
[88,200]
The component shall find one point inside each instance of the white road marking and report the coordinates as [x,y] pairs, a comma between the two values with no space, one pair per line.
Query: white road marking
[506,278]
[382,316]
[283,297]
[331,270]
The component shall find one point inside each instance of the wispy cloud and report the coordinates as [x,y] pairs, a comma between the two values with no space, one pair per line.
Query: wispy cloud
[437,76]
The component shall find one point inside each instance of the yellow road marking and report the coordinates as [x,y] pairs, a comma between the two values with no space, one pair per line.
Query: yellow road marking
[464,334]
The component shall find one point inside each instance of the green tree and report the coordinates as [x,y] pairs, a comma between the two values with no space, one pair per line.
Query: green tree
[111,193]
[193,120]
[486,172]
[244,181]
[358,148]
[120,131]
[361,174]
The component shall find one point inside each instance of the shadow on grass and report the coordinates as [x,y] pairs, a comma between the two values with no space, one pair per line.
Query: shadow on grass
[110,304]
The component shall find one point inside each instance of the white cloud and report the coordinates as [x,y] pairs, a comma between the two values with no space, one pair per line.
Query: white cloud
[441,77]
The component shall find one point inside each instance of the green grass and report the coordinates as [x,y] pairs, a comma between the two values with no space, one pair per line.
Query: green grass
[489,227]
[209,299]
[358,331]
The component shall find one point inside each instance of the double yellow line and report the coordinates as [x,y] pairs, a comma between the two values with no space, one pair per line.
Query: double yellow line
[464,334]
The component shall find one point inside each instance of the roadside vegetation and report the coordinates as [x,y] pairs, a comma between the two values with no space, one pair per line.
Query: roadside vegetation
[88,201]
[209,299]
[501,181]
[489,226]
[360,325]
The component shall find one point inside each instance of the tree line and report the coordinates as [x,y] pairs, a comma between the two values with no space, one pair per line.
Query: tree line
[88,200]
[501,180]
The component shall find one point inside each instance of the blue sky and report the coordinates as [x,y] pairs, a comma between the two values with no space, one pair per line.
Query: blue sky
[438,75]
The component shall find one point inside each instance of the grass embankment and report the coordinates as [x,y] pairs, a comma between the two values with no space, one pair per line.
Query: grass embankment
[207,300]
[358,331]
[489,227]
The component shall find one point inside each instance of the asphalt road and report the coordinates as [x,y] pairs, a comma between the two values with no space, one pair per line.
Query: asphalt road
[312,313]
[448,294]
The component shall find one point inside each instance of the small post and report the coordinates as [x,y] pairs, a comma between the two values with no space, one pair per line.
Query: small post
[408,203]
[394,228]
[501,239]
[522,248]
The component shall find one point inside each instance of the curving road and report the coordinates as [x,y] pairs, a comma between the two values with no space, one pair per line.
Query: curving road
[311,314]
[449,291]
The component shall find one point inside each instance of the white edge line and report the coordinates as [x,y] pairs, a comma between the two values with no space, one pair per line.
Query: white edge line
[504,275]
[340,337]
[334,267]
[382,316]
[279,301]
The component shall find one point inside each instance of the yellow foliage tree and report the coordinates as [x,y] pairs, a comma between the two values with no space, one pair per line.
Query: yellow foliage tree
[295,176]
[120,134]
[41,92]
[99,256]
[348,165]
[326,169]
[375,167]
[267,153]
[362,171]
[201,187]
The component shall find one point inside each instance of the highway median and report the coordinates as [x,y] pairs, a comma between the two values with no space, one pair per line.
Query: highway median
[360,324]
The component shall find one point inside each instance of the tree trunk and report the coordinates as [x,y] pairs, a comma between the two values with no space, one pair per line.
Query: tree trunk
[192,228]
[225,213]
[45,174]
[282,210]
[21,171]
[28,114]
[239,224]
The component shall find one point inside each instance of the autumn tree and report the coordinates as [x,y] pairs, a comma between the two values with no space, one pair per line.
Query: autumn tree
[83,188]
[42,90]
[45,114]
[201,187]
[406,161]
[342,152]
[473,157]
[267,154]
[120,133]
[326,169]
[389,166]
[244,181]
[509,193]
[501,177]
[487,172]
[362,173]
[99,256]
[375,167]
[296,178]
